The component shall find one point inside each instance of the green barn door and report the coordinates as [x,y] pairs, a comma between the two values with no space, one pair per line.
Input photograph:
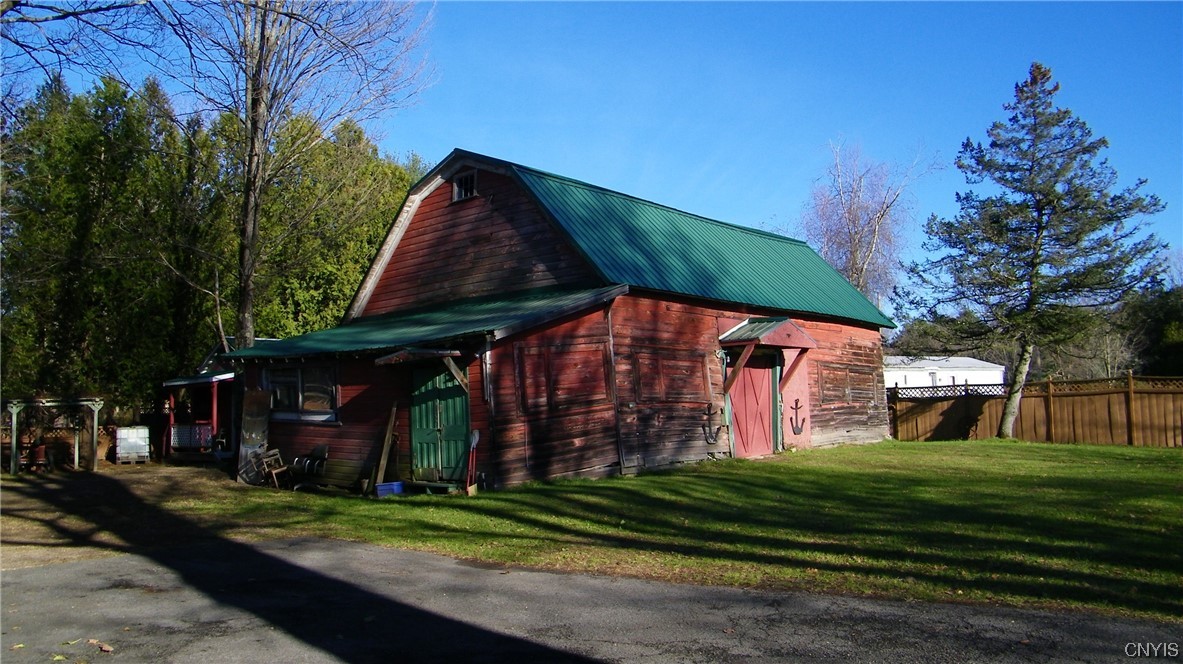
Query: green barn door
[439,425]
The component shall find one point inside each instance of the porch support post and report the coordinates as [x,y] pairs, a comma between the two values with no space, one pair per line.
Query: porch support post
[166,449]
[213,414]
[95,406]
[14,460]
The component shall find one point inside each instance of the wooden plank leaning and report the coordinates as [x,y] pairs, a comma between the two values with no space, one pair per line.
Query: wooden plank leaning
[386,442]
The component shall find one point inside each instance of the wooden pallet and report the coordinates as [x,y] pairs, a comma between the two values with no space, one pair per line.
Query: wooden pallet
[131,461]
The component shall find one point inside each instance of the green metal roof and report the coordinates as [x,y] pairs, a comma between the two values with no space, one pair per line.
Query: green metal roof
[643,244]
[500,316]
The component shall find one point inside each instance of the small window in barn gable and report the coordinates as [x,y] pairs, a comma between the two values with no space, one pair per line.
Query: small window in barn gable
[464,186]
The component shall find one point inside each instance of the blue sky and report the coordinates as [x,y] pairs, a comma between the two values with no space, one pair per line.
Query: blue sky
[727,109]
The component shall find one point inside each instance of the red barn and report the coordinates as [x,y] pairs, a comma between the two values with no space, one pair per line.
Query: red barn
[578,331]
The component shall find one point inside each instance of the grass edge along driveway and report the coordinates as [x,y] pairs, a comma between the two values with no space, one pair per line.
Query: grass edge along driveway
[1022,524]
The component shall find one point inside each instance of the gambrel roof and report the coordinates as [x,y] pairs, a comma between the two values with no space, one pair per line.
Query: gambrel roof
[645,245]
[631,245]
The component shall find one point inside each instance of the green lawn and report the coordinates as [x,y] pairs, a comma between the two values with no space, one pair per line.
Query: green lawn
[1023,524]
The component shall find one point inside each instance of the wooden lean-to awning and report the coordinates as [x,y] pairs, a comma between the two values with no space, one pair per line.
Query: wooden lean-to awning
[769,333]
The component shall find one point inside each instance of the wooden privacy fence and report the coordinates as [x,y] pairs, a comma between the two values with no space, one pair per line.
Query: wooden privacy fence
[1134,410]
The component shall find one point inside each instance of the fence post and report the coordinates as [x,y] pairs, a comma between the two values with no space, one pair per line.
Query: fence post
[1129,407]
[1050,414]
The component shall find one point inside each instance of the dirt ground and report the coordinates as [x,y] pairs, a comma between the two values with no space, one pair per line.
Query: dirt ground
[50,517]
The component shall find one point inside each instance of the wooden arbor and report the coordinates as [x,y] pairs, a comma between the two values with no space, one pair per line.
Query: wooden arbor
[15,406]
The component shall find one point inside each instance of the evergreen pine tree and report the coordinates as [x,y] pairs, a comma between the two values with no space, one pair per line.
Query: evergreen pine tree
[1053,240]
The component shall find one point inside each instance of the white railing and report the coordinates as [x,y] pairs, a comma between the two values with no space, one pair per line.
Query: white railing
[192,435]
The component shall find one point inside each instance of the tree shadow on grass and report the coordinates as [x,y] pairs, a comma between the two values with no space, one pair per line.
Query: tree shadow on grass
[865,525]
[325,613]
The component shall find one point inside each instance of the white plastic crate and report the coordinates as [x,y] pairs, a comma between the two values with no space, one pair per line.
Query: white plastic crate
[131,445]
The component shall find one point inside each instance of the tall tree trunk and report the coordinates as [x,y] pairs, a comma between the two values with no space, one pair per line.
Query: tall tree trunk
[249,226]
[256,120]
[1014,393]
[245,332]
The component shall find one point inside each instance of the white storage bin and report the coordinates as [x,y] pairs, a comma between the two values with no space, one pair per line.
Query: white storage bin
[131,445]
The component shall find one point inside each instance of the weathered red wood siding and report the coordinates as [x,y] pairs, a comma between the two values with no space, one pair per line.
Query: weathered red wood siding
[669,381]
[480,416]
[494,243]
[845,372]
[632,384]
[637,380]
[554,399]
[365,395]
[839,384]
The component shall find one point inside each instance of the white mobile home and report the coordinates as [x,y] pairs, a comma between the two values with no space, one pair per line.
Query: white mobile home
[904,371]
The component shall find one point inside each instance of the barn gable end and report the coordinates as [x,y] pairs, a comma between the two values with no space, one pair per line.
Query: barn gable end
[494,242]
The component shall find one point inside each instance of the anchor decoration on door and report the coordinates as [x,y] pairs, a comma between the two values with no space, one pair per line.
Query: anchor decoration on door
[797,422]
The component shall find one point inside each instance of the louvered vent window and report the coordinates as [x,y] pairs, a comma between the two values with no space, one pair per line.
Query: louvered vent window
[464,186]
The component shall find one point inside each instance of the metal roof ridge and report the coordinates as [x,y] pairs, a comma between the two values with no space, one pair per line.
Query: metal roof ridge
[644,201]
[460,152]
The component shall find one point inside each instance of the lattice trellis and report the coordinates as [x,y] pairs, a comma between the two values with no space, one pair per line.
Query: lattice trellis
[945,391]
[1070,386]
[1139,384]
[1158,383]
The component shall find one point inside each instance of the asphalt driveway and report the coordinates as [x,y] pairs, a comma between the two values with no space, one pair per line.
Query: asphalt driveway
[313,600]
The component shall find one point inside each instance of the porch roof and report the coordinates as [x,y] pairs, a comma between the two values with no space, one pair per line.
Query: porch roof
[498,316]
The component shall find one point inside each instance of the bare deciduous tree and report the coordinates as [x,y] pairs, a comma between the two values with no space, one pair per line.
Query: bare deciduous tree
[41,39]
[266,62]
[855,217]
[1174,269]
[52,34]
